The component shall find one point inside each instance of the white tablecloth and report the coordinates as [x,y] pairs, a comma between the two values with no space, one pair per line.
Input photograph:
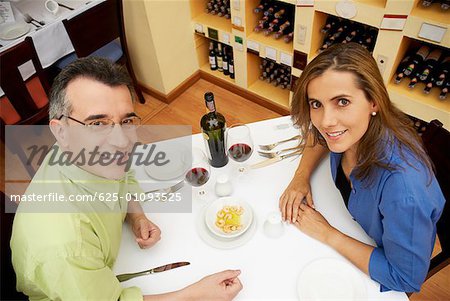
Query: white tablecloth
[270,267]
[51,41]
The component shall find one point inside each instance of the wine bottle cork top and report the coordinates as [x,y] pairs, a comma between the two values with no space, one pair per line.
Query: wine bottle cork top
[209,96]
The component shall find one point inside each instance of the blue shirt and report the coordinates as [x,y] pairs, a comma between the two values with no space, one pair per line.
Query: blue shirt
[399,210]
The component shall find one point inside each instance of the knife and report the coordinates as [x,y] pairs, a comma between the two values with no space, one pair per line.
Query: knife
[274,160]
[125,277]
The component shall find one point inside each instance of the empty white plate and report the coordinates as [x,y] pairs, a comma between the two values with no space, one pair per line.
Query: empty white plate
[13,31]
[179,161]
[331,279]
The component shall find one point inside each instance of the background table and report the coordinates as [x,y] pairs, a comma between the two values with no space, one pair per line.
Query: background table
[51,40]
[270,267]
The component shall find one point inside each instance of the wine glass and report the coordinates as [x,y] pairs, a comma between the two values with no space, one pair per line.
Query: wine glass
[239,145]
[199,173]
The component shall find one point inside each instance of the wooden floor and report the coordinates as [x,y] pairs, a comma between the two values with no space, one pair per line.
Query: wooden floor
[189,107]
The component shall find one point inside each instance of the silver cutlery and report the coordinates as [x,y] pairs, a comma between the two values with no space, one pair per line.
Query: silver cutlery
[29,19]
[275,159]
[275,144]
[65,6]
[274,154]
[167,190]
[125,277]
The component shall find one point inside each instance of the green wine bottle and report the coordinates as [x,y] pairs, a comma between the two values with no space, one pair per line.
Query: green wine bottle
[213,127]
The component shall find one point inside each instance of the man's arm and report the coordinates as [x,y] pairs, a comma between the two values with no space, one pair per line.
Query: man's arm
[147,233]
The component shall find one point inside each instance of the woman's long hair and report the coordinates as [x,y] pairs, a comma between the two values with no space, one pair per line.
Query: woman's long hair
[390,125]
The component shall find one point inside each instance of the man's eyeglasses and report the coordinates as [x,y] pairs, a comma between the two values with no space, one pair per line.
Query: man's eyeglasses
[105,126]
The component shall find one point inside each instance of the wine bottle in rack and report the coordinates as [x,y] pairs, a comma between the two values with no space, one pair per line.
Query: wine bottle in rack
[416,60]
[426,3]
[400,72]
[430,64]
[442,74]
[444,90]
[225,61]
[231,65]
[369,39]
[430,83]
[330,24]
[445,4]
[212,57]
[282,30]
[289,37]
[353,32]
[219,57]
[213,127]
[263,5]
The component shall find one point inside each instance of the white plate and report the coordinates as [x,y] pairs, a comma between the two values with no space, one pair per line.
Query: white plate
[219,242]
[330,279]
[14,30]
[179,163]
[217,205]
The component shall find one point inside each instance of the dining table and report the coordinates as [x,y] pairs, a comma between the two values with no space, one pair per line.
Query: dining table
[49,38]
[272,268]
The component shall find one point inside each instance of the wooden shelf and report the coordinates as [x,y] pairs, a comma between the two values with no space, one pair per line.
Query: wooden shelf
[432,14]
[216,73]
[368,12]
[274,94]
[269,41]
[218,23]
[391,46]
[416,103]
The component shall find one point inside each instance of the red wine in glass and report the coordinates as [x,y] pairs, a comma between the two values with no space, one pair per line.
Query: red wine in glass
[240,152]
[197,176]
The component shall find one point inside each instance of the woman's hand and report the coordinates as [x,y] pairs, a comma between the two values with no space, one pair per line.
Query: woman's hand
[313,224]
[292,197]
[147,233]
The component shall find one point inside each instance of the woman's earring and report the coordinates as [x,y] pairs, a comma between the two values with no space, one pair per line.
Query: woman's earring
[374,113]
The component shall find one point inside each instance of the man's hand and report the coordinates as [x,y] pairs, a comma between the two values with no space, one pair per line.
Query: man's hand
[222,286]
[147,233]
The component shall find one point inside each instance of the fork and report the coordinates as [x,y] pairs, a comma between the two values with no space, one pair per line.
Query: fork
[274,154]
[271,146]
[167,190]
[29,19]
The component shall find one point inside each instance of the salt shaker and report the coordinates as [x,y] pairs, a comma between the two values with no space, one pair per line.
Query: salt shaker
[273,226]
[223,186]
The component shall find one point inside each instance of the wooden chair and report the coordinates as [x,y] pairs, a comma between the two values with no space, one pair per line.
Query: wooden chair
[24,102]
[437,142]
[95,33]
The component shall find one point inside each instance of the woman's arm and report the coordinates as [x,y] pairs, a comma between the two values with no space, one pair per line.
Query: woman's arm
[312,223]
[299,187]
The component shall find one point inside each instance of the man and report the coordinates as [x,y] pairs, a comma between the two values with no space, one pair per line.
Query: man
[67,252]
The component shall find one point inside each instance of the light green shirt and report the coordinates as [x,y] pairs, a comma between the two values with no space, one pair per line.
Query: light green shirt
[67,252]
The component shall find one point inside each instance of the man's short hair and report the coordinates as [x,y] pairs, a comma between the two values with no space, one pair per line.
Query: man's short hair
[95,68]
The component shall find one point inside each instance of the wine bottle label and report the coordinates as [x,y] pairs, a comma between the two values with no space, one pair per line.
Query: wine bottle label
[225,65]
[231,67]
[212,61]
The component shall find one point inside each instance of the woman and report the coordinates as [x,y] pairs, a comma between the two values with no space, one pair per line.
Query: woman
[377,162]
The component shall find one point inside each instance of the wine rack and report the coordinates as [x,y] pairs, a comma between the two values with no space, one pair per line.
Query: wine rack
[202,46]
[398,27]
[427,106]
[262,87]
